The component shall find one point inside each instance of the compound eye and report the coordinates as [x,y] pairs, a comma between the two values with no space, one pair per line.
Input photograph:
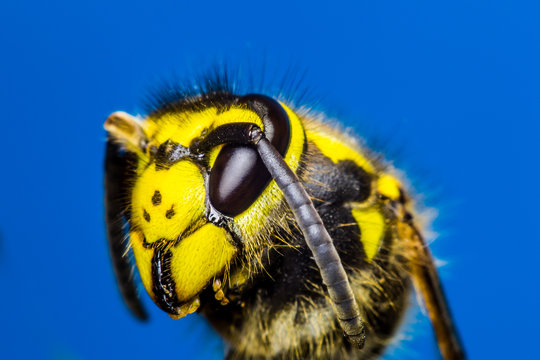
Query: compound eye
[239,176]
[237,179]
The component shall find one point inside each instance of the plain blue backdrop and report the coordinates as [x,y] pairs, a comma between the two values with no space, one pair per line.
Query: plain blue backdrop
[449,90]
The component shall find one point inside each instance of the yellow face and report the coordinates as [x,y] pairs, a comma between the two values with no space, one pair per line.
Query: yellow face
[175,246]
[168,211]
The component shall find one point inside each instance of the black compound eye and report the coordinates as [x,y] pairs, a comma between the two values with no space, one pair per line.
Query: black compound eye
[239,176]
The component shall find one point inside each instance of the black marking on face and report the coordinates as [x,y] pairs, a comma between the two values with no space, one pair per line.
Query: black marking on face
[146,244]
[163,285]
[152,150]
[170,213]
[170,153]
[146,215]
[161,243]
[156,198]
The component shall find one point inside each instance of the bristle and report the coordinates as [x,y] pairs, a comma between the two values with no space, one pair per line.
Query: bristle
[221,84]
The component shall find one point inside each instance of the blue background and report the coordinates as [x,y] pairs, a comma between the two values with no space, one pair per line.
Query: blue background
[448,90]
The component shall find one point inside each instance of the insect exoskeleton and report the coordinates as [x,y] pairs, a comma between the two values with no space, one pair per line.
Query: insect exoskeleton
[280,229]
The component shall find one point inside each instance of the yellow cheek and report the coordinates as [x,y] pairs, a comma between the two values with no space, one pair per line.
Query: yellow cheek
[196,260]
[199,258]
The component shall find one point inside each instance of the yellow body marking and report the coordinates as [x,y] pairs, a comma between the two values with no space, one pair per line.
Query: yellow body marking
[336,150]
[371,224]
[388,186]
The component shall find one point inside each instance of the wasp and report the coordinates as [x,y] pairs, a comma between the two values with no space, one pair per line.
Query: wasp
[291,238]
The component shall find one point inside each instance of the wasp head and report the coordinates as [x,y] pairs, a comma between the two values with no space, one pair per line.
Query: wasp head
[199,194]
[178,251]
